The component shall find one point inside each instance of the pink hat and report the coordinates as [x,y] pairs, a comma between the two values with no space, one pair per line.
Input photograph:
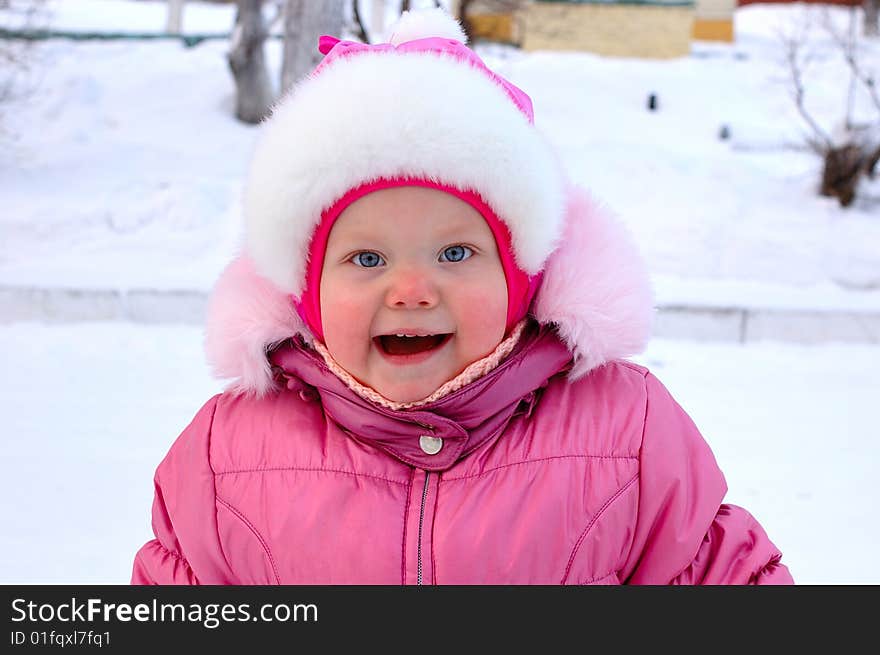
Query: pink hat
[424,110]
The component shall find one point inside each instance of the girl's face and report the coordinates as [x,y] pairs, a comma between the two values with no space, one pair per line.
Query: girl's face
[416,262]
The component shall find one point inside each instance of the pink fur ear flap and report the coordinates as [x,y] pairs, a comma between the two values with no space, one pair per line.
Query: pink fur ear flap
[596,288]
[247,315]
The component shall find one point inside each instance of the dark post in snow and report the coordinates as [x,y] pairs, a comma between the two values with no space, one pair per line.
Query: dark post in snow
[254,94]
[872,9]
[304,22]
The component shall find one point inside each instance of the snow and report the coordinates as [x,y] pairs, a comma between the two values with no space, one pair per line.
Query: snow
[120,17]
[121,168]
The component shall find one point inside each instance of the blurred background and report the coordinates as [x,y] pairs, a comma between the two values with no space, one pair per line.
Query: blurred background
[738,142]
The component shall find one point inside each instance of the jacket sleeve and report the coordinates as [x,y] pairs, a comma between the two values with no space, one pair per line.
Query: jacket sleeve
[186,549]
[683,533]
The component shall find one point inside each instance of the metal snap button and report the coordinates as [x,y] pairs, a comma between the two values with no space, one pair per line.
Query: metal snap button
[430,445]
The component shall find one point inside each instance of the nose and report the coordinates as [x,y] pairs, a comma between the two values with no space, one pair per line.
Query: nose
[412,287]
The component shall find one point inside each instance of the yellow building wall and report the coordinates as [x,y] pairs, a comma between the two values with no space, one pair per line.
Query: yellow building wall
[494,27]
[616,30]
[713,30]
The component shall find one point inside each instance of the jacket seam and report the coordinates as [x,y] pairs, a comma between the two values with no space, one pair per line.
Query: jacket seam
[774,563]
[533,461]
[209,439]
[174,554]
[641,370]
[256,534]
[595,518]
[598,577]
[272,469]
[690,563]
[180,558]
[644,375]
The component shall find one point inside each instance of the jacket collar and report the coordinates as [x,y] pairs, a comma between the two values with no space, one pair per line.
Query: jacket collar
[462,420]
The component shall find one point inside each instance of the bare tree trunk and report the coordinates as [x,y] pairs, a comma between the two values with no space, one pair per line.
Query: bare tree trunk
[463,6]
[15,54]
[872,160]
[175,16]
[359,29]
[254,95]
[842,169]
[872,9]
[304,22]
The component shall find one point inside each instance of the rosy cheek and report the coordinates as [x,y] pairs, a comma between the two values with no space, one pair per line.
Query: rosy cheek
[345,320]
[485,309]
[346,312]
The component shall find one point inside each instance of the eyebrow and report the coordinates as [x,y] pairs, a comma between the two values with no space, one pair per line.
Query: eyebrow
[362,234]
[460,226]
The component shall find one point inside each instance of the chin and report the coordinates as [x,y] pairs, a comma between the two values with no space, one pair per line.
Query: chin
[407,393]
[407,396]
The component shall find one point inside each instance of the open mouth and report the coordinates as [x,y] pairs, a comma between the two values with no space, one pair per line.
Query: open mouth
[399,344]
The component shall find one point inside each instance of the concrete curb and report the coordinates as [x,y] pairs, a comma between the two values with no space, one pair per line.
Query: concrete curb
[746,325]
[729,324]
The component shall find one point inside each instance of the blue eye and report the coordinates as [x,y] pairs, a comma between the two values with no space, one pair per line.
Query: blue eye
[455,254]
[367,259]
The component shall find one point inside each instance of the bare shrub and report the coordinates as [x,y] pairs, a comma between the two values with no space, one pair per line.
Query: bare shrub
[852,151]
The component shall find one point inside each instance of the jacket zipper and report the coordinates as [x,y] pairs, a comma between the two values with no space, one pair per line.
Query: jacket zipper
[421,524]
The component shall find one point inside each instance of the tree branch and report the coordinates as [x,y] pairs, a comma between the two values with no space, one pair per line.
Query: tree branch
[361,33]
[849,47]
[792,49]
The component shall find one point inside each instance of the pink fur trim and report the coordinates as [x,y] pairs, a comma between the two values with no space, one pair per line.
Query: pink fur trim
[473,372]
[247,315]
[596,288]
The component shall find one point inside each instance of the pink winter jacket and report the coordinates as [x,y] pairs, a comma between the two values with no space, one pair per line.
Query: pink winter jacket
[563,465]
[539,481]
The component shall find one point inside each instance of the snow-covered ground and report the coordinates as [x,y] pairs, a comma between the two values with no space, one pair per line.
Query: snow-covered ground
[121,168]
